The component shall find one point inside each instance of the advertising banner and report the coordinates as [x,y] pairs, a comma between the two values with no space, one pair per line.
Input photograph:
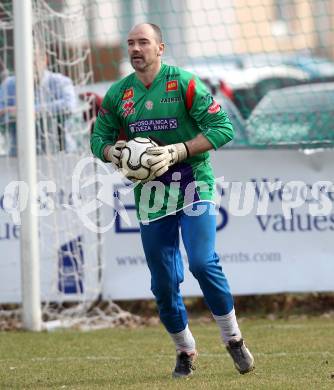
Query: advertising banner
[275,225]
[69,260]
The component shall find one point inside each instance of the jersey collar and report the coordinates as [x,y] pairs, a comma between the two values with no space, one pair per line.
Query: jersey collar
[158,77]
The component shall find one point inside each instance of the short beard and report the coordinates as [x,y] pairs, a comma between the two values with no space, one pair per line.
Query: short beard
[141,68]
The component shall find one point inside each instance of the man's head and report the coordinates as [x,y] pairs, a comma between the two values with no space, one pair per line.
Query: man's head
[145,47]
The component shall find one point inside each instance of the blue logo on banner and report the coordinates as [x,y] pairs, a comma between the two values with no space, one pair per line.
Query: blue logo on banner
[70,267]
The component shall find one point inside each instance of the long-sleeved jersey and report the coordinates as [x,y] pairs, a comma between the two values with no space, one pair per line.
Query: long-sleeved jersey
[175,108]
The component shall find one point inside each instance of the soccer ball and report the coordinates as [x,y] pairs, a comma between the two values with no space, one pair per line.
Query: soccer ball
[134,159]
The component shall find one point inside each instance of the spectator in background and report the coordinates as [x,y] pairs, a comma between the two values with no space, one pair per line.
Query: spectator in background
[4,73]
[55,101]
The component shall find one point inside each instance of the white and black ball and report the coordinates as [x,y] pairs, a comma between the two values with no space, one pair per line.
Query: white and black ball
[134,158]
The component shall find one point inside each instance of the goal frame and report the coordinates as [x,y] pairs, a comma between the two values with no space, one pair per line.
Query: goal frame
[27,164]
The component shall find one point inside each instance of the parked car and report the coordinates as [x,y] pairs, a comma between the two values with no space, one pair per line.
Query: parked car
[211,69]
[301,115]
[239,124]
[245,83]
[318,68]
[250,85]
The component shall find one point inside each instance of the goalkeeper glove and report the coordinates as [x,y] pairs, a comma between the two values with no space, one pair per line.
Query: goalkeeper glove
[165,156]
[115,152]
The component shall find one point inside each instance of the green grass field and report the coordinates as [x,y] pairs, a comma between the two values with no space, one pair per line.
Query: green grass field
[290,354]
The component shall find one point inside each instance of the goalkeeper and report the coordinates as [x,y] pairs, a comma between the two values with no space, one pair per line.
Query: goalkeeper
[173,106]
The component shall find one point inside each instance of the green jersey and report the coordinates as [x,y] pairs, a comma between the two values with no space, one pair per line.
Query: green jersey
[175,108]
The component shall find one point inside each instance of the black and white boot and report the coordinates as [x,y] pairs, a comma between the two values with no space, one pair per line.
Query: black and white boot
[184,365]
[242,358]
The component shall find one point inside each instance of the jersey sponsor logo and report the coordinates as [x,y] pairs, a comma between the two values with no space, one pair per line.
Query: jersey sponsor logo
[175,99]
[172,85]
[128,108]
[153,125]
[149,104]
[214,108]
[128,94]
[103,112]
[172,76]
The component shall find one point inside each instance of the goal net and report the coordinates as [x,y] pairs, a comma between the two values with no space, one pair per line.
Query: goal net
[70,242]
[268,63]
[271,59]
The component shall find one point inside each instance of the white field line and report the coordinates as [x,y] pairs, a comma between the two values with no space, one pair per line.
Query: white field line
[290,326]
[216,355]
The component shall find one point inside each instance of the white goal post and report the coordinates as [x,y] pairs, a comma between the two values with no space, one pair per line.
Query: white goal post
[52,269]
[25,123]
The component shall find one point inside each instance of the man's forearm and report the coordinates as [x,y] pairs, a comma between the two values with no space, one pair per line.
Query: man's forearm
[197,145]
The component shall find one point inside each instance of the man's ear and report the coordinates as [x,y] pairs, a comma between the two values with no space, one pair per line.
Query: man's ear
[161,49]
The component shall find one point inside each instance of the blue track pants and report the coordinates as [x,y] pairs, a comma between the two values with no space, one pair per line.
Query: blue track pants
[161,239]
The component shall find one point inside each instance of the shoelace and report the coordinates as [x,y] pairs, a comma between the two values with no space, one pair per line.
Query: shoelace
[186,362]
[237,348]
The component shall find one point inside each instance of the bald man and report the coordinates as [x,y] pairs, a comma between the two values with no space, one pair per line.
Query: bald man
[174,108]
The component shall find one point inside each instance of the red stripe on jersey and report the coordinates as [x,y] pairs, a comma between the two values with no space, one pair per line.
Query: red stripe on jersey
[190,94]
